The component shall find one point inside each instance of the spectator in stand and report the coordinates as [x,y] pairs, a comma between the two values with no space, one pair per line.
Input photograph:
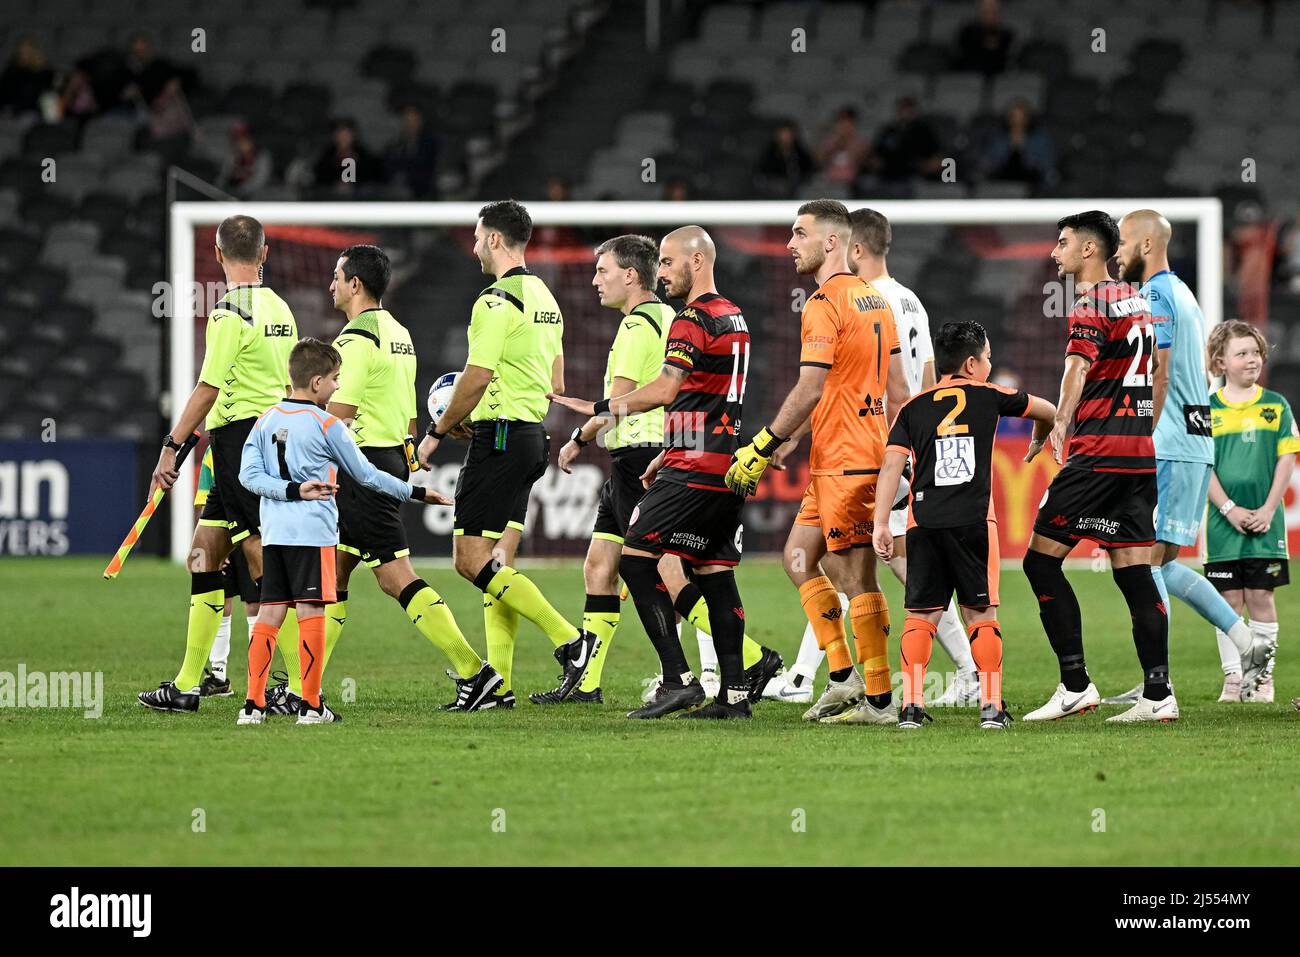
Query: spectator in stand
[785,164]
[676,191]
[27,79]
[983,45]
[412,158]
[845,150]
[907,147]
[132,80]
[171,124]
[330,175]
[77,96]
[1022,151]
[247,168]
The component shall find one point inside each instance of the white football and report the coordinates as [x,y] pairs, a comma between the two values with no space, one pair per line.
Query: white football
[440,394]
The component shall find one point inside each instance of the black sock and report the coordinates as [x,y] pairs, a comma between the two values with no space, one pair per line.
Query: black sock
[656,611]
[727,619]
[602,605]
[842,674]
[1150,627]
[1059,610]
[687,599]
[880,700]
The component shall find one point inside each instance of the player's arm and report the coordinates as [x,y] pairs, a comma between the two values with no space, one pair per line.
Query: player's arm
[790,444]
[802,399]
[891,473]
[196,409]
[1043,414]
[751,460]
[658,392]
[1159,385]
[346,453]
[591,429]
[254,476]
[897,393]
[557,374]
[1076,369]
[927,375]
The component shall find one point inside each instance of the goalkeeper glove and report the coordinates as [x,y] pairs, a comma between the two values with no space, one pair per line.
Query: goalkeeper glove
[751,461]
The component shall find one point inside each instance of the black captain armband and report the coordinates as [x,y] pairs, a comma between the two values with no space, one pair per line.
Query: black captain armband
[418,493]
[601,407]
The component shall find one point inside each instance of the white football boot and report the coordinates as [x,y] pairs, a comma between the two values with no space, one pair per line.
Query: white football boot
[1231,687]
[791,686]
[1148,710]
[838,697]
[866,713]
[1063,703]
[962,692]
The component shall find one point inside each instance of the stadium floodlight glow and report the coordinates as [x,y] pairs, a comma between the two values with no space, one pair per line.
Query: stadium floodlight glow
[1206,213]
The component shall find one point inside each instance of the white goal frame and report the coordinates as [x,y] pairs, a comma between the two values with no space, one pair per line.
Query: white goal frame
[1207,213]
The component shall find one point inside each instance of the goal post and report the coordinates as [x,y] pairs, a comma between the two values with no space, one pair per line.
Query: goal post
[185,311]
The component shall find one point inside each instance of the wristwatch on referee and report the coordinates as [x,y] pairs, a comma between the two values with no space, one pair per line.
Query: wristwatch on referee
[170,443]
[577,437]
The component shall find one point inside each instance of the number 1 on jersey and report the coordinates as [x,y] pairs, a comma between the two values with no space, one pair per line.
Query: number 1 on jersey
[737,391]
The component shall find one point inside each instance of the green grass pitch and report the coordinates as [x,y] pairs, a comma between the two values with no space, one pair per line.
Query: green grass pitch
[401,783]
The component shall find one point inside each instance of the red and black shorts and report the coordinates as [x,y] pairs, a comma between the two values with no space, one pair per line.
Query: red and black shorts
[294,573]
[699,525]
[1113,509]
[964,559]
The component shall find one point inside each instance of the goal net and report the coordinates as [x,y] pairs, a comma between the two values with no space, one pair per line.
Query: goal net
[966,259]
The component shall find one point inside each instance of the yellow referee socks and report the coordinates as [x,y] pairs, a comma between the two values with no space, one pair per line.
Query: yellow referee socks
[336,616]
[429,613]
[600,617]
[500,623]
[516,591]
[207,604]
[287,640]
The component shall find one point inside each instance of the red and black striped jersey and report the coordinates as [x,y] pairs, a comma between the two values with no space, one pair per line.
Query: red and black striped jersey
[710,341]
[1110,326]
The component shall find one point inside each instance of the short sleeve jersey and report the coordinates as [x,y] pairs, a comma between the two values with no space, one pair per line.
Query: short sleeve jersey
[848,328]
[378,377]
[516,330]
[638,354]
[949,431]
[249,336]
[1110,326]
[709,341]
[1183,433]
[1249,437]
[913,324]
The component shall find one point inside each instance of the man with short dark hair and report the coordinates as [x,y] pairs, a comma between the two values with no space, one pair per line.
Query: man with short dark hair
[516,356]
[249,336]
[1107,490]
[376,400]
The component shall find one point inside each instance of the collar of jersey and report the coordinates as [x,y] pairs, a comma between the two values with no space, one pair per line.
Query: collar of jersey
[1163,272]
[1244,404]
[299,401]
[517,271]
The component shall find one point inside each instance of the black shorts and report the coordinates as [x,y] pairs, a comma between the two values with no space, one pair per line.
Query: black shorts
[237,580]
[1113,509]
[230,505]
[699,525]
[1262,573]
[370,524]
[621,492]
[940,561]
[492,488]
[293,573]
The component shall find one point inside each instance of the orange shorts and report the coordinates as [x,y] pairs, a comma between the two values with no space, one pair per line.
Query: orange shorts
[843,506]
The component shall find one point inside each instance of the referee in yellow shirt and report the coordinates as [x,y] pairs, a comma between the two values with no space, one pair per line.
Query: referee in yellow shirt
[516,356]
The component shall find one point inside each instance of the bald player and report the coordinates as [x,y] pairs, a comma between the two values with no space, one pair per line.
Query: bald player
[851,383]
[1184,444]
[688,510]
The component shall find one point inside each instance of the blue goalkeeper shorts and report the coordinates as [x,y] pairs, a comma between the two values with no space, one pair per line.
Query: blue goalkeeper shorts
[1182,489]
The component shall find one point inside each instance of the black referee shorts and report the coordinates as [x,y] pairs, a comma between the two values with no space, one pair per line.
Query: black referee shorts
[230,505]
[493,485]
[1113,509]
[237,580]
[621,491]
[370,524]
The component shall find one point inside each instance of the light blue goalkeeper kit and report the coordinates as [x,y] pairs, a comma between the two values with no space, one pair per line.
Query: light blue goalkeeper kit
[296,441]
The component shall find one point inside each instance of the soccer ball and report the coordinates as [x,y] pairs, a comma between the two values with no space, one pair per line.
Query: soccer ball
[440,394]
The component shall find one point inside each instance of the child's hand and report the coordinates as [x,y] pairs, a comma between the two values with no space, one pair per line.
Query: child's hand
[436,498]
[1237,518]
[313,490]
[1255,521]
